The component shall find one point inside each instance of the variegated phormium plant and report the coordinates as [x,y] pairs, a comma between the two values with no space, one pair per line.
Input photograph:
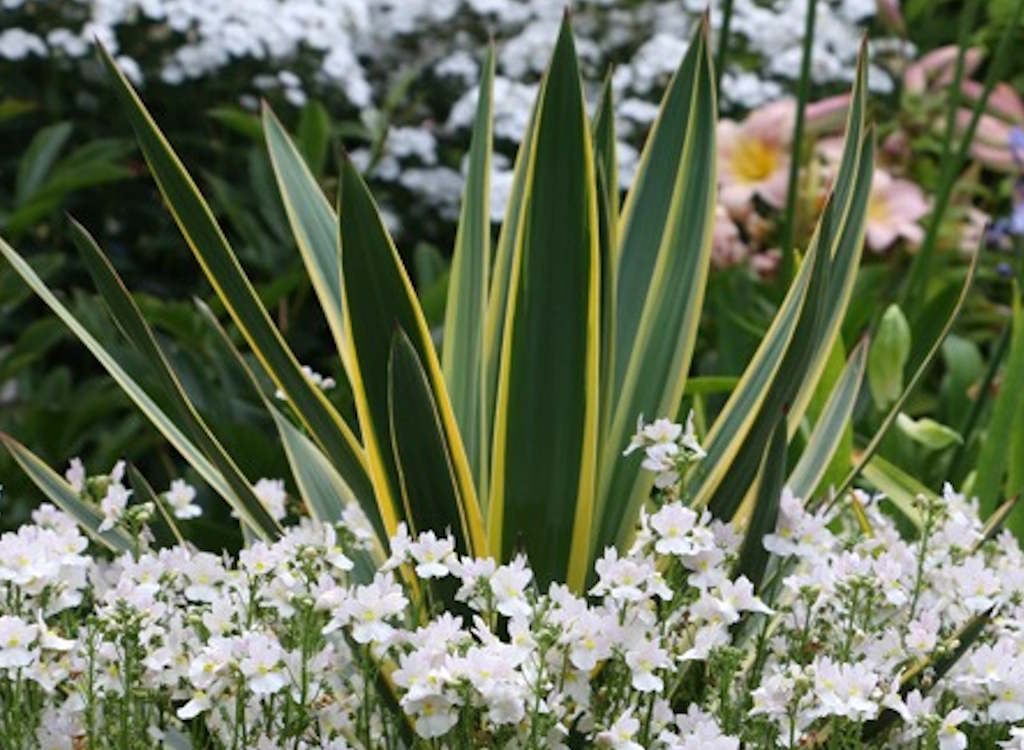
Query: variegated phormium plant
[583,316]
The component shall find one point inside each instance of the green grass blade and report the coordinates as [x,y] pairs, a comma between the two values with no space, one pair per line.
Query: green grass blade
[545,426]
[129,319]
[656,353]
[378,299]
[462,356]
[61,494]
[207,242]
[832,425]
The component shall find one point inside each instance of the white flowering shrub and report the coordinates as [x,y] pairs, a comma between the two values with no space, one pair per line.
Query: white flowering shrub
[852,636]
[355,54]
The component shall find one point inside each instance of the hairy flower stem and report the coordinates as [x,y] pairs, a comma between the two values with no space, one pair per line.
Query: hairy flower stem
[788,226]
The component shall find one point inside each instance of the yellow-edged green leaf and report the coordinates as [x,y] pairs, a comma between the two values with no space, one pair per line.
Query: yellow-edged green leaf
[730,429]
[312,220]
[753,557]
[462,356]
[166,426]
[501,271]
[607,173]
[545,425]
[831,426]
[323,490]
[207,242]
[431,495]
[378,299]
[129,319]
[662,273]
[61,494]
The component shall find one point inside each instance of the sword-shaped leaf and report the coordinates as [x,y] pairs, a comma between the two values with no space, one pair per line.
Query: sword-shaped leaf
[462,356]
[207,242]
[61,494]
[378,299]
[661,273]
[545,426]
[128,318]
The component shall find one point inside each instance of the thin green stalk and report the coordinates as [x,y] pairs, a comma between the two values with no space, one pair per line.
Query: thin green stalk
[798,136]
[920,268]
[723,45]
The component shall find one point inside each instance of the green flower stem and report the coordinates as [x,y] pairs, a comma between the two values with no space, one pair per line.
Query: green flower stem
[798,137]
[723,45]
[920,267]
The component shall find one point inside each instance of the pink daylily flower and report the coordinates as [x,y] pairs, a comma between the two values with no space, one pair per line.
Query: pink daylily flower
[753,157]
[936,69]
[894,209]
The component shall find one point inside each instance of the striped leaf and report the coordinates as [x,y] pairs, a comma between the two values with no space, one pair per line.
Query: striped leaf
[378,298]
[207,242]
[430,491]
[163,423]
[545,425]
[607,173]
[61,494]
[312,219]
[898,486]
[128,318]
[831,426]
[462,358]
[661,273]
[753,557]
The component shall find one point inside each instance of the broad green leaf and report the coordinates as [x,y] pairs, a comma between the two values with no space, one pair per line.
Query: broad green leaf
[314,135]
[378,298]
[927,432]
[898,486]
[207,242]
[710,385]
[462,356]
[61,494]
[545,425]
[753,557]
[876,440]
[888,357]
[430,490]
[166,426]
[129,319]
[993,459]
[662,271]
[313,222]
[831,425]
[40,156]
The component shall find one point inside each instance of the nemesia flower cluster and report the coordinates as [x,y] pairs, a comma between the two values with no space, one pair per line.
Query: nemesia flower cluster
[853,636]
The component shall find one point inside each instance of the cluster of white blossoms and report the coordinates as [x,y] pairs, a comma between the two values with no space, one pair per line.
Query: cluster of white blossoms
[850,635]
[358,52]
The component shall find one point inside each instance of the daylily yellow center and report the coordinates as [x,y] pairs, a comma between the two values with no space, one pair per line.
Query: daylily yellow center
[754,160]
[878,209]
